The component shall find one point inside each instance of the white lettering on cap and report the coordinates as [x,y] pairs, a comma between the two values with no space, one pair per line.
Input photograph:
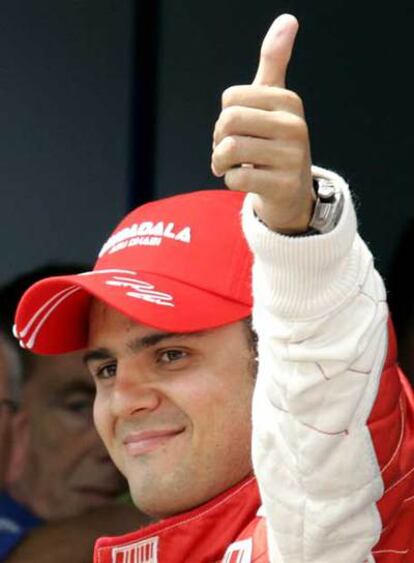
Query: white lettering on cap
[146,233]
[142,290]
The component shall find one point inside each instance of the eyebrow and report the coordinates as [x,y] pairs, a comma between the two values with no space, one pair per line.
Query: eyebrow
[139,343]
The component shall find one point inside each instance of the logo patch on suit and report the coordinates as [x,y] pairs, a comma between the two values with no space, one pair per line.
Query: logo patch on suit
[239,552]
[144,551]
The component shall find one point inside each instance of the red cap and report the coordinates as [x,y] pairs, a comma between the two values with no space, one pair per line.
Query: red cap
[180,264]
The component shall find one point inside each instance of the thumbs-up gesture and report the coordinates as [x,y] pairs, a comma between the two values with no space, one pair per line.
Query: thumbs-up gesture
[261,142]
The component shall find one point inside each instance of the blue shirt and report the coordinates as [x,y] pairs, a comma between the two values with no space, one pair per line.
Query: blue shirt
[15,522]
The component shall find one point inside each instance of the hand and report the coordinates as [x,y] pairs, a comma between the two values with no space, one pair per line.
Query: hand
[261,142]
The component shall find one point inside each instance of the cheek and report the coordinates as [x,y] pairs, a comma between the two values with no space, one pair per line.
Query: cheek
[219,403]
[46,433]
[5,431]
[229,408]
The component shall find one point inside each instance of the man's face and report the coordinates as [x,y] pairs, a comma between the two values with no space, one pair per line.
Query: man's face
[68,470]
[173,410]
[13,427]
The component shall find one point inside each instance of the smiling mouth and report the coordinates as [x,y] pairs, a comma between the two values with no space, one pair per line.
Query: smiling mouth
[146,442]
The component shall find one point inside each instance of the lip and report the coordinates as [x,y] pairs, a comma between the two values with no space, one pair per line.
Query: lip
[140,443]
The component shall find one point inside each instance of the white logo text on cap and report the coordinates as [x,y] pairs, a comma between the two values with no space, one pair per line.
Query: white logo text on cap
[146,233]
[142,290]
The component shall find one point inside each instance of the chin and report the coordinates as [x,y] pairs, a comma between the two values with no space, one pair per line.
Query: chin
[164,502]
[151,506]
[154,505]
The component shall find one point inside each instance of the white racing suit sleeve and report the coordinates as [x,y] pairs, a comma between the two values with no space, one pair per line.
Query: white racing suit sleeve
[321,315]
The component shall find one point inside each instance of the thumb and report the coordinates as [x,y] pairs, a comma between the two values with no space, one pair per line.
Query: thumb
[276,51]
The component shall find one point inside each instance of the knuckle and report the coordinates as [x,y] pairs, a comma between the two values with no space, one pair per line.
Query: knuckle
[229,96]
[225,154]
[301,130]
[294,100]
[229,118]
[229,146]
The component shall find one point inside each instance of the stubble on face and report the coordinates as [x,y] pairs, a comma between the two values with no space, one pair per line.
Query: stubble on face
[207,392]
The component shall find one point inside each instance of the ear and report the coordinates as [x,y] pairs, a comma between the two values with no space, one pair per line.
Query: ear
[19,447]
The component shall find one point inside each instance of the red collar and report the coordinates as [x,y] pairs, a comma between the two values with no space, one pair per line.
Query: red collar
[202,534]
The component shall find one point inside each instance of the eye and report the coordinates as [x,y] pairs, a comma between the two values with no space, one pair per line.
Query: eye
[79,405]
[79,411]
[171,355]
[105,371]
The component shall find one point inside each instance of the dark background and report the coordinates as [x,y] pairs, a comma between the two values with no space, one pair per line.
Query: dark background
[107,103]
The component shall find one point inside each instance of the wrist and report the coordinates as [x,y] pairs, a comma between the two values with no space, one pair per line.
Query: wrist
[291,221]
[326,210]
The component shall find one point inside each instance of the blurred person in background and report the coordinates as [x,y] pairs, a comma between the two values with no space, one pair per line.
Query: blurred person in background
[67,471]
[13,445]
[12,423]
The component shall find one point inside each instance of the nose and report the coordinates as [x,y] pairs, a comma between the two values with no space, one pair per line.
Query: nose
[135,391]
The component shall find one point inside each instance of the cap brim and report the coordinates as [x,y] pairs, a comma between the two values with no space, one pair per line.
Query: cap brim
[53,315]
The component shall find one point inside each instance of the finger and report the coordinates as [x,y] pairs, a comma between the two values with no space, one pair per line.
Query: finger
[262,97]
[276,51]
[286,128]
[261,180]
[242,120]
[235,151]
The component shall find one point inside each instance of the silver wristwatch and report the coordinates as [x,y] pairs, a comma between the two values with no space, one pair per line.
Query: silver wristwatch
[328,206]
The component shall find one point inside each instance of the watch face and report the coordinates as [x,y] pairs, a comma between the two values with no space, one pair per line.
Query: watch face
[326,189]
[328,207]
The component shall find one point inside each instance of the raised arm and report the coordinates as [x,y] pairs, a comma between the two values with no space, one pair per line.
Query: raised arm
[333,418]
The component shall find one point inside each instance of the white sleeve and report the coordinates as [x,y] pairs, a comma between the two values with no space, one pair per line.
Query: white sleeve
[320,313]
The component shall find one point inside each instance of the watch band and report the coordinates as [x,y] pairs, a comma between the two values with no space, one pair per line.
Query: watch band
[327,209]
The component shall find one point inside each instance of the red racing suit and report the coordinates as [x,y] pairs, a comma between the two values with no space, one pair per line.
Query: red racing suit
[228,529]
[333,421]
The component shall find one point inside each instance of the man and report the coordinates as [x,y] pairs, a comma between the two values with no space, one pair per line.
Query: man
[67,471]
[12,424]
[7,406]
[13,446]
[165,318]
